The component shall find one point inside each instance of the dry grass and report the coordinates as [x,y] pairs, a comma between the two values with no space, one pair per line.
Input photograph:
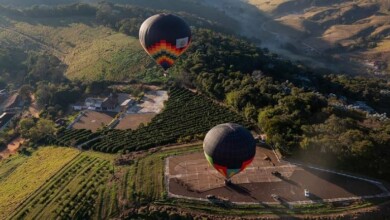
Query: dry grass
[91,52]
[267,6]
[30,175]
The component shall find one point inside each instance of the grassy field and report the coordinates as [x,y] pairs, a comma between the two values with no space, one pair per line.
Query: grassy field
[90,51]
[22,175]
[115,57]
[146,179]
[75,190]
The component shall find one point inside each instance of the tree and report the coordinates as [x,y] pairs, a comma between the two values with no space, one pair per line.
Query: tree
[36,131]
[233,99]
[44,127]
[25,92]
[25,125]
[250,112]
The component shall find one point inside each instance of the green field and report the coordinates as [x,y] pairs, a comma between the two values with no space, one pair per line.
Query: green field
[60,183]
[21,175]
[146,179]
[90,51]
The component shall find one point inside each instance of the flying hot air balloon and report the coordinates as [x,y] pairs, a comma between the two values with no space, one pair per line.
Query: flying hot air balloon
[229,148]
[165,37]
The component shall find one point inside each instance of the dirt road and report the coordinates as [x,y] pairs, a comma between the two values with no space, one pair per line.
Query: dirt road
[12,147]
[33,108]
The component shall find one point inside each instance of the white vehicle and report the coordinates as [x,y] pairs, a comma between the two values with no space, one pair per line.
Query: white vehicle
[307,193]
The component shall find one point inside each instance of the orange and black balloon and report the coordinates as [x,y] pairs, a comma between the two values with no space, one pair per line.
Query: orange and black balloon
[164,37]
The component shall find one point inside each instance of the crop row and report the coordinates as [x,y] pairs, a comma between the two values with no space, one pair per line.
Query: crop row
[73,188]
[71,137]
[186,114]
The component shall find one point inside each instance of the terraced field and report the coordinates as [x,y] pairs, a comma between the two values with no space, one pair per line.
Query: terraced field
[71,193]
[61,183]
[187,116]
[21,176]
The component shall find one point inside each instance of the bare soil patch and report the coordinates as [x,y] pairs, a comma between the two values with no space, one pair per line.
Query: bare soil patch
[191,176]
[33,108]
[12,147]
[93,120]
[132,121]
[152,102]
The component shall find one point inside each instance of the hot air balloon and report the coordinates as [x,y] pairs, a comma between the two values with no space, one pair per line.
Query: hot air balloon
[229,148]
[164,37]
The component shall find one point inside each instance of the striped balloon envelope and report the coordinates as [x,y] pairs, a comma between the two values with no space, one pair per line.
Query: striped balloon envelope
[229,148]
[165,37]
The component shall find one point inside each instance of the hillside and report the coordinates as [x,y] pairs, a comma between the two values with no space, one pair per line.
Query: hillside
[351,27]
[94,43]
[22,175]
[84,46]
[340,35]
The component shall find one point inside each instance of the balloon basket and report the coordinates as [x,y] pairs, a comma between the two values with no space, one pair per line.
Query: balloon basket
[228,182]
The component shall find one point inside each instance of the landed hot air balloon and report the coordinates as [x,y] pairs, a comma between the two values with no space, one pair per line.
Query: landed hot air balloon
[165,37]
[229,148]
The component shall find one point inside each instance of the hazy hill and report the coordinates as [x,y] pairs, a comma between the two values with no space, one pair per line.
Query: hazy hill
[337,34]
[354,28]
[189,6]
[28,3]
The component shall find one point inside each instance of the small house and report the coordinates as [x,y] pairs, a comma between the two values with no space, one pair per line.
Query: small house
[110,103]
[94,103]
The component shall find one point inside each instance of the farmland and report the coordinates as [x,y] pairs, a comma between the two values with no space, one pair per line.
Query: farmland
[71,193]
[59,183]
[21,175]
[90,186]
[187,116]
[72,137]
